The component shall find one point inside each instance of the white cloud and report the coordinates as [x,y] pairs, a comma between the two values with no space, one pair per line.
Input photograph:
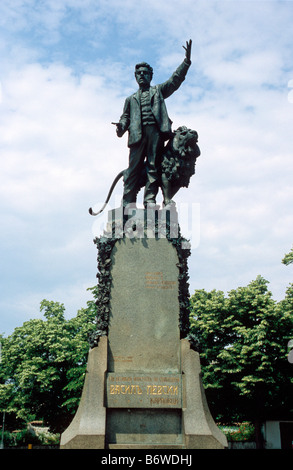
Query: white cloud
[55,131]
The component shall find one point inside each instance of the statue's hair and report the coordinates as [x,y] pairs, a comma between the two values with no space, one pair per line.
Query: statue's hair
[144,64]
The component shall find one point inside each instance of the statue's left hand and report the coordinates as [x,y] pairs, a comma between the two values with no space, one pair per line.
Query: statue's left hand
[188,50]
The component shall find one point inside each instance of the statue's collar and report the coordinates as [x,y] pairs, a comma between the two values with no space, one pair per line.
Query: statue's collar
[151,89]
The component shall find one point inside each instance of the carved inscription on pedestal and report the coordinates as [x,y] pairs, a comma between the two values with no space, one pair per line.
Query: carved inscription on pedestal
[155,280]
[143,391]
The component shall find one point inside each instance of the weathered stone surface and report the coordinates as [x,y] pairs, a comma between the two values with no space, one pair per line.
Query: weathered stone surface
[87,430]
[144,341]
[143,427]
[199,429]
[143,330]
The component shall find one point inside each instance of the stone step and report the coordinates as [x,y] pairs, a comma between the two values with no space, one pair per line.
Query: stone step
[145,446]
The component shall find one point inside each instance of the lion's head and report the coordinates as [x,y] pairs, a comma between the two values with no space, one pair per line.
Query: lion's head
[179,156]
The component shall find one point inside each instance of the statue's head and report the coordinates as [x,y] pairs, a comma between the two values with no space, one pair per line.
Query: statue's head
[143,74]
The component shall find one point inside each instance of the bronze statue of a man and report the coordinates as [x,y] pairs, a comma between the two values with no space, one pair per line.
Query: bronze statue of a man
[146,119]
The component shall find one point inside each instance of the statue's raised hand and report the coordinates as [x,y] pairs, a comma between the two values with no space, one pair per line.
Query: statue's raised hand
[188,50]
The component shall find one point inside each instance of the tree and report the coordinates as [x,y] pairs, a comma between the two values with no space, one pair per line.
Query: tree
[285,308]
[244,341]
[43,365]
[288,258]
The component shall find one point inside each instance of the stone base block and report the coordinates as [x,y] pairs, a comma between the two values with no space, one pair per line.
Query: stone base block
[200,430]
[96,427]
[87,430]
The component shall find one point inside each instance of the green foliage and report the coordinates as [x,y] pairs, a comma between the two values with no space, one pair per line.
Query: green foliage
[242,432]
[243,340]
[43,365]
[23,437]
[288,258]
[8,439]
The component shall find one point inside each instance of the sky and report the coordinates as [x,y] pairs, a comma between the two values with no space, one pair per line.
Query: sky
[66,67]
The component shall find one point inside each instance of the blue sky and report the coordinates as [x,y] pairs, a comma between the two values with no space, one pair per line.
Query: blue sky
[66,68]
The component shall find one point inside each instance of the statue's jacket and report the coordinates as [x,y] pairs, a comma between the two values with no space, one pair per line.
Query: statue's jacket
[131,118]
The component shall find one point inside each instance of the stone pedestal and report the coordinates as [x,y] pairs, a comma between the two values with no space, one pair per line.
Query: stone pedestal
[143,388]
[87,430]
